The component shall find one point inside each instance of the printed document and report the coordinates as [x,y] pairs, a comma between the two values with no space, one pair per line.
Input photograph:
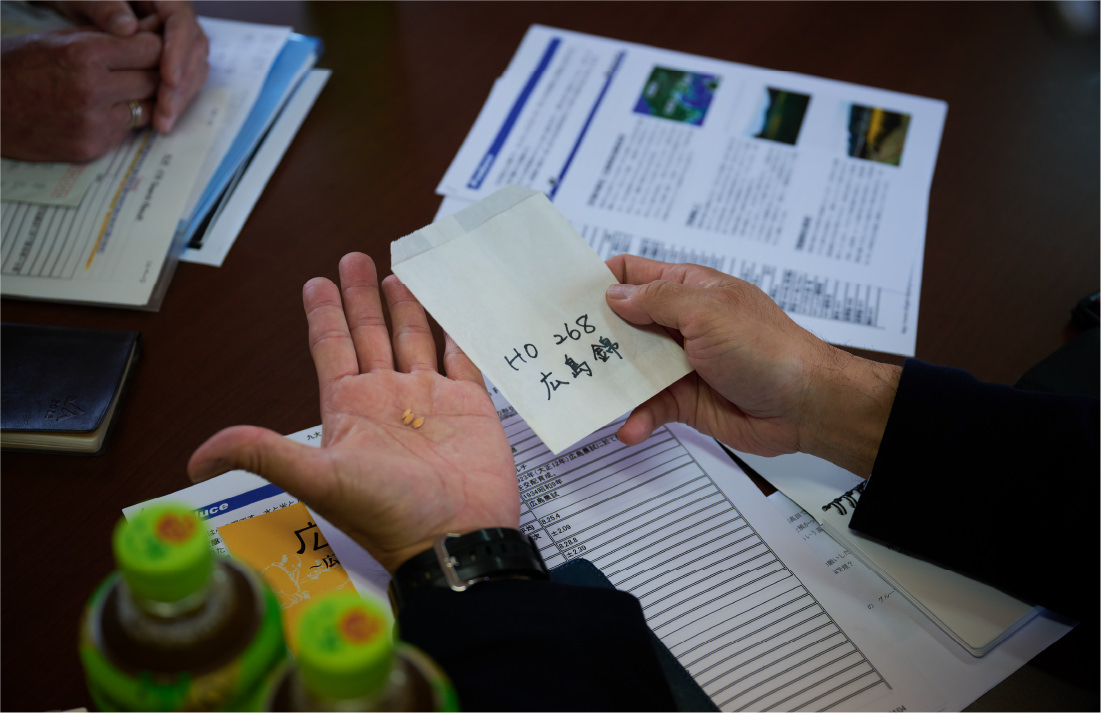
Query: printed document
[975,614]
[233,209]
[47,183]
[760,619]
[761,606]
[241,55]
[814,190]
[959,677]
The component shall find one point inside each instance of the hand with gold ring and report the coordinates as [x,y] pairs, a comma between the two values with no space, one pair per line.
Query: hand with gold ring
[69,95]
[137,115]
[407,453]
[183,65]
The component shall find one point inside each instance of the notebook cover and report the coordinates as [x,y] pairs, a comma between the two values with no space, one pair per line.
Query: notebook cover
[61,379]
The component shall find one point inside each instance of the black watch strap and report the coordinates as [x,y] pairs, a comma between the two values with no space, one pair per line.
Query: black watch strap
[457,561]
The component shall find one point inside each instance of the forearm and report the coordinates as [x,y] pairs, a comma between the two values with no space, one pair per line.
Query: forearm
[991,462]
[487,637]
[846,406]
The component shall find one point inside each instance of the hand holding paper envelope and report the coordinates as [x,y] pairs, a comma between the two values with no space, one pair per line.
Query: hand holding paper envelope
[523,295]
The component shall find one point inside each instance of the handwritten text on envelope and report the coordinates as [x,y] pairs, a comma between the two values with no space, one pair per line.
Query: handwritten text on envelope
[523,295]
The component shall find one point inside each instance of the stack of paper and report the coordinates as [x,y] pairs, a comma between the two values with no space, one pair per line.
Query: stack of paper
[111,231]
[976,615]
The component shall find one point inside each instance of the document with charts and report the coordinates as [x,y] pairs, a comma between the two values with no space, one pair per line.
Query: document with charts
[675,523]
[813,189]
[760,619]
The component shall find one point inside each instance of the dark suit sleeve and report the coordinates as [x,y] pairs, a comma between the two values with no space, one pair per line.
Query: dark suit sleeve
[995,482]
[539,645]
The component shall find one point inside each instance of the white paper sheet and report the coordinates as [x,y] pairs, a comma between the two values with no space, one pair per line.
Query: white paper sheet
[977,615]
[959,677]
[764,610]
[815,190]
[720,577]
[53,183]
[232,214]
[241,55]
[523,295]
[677,523]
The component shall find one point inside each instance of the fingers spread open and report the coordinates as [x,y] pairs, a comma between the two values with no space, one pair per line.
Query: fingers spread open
[363,311]
[334,354]
[414,346]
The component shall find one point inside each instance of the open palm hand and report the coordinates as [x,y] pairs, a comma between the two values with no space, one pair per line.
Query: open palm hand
[407,453]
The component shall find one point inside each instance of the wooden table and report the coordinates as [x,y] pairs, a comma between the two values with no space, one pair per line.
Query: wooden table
[1012,245]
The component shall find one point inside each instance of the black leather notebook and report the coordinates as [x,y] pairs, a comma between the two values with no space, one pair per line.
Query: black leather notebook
[62,385]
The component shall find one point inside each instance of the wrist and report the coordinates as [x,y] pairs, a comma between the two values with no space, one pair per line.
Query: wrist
[392,560]
[456,562]
[847,406]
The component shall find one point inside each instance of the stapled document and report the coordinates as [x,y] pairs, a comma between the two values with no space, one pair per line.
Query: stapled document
[523,295]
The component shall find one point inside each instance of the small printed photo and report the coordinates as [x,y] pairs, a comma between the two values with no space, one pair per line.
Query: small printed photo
[781,116]
[677,95]
[877,134]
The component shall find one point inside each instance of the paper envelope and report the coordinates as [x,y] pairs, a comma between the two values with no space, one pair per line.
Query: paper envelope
[522,294]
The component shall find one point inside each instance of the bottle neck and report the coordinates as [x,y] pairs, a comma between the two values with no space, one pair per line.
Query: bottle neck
[414,683]
[303,700]
[178,623]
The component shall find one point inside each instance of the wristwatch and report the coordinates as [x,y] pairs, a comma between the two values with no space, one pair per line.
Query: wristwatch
[457,561]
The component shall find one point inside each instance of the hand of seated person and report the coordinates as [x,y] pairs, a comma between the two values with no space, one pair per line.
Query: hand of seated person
[73,95]
[762,384]
[407,453]
[65,94]
[183,66]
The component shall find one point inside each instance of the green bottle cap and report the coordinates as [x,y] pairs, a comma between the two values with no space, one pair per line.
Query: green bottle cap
[344,647]
[164,553]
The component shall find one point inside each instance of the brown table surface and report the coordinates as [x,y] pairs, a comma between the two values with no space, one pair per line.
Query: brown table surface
[1012,245]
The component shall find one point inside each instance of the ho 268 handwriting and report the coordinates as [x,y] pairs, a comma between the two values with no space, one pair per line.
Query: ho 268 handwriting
[602,351]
